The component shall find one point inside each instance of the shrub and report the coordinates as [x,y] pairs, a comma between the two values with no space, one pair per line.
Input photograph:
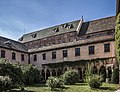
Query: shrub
[54,82]
[117,38]
[70,77]
[12,70]
[5,83]
[115,76]
[31,74]
[20,74]
[95,81]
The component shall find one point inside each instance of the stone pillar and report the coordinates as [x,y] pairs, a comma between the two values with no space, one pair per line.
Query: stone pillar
[45,74]
[50,72]
[107,79]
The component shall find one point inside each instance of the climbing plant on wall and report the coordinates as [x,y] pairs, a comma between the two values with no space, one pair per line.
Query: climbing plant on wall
[117,38]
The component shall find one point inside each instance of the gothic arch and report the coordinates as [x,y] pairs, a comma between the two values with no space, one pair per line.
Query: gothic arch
[53,72]
[59,72]
[43,74]
[102,72]
[109,72]
[80,73]
[94,70]
[47,74]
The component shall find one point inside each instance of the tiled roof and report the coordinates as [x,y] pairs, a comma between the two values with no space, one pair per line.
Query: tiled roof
[13,45]
[51,31]
[98,25]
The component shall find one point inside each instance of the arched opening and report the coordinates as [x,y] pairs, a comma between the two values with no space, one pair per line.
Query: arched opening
[80,73]
[109,72]
[53,72]
[94,70]
[65,70]
[43,74]
[47,74]
[59,72]
[102,72]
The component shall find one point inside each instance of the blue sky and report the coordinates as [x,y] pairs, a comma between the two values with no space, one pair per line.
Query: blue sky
[23,16]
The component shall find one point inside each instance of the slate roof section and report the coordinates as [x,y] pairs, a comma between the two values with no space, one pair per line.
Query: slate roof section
[12,45]
[98,25]
[51,31]
[103,24]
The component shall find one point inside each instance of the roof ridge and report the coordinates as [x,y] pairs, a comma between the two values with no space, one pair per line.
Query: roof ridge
[37,30]
[100,19]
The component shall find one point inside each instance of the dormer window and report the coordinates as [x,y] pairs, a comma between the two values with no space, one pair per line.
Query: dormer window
[21,39]
[34,35]
[70,26]
[56,30]
[64,25]
[8,43]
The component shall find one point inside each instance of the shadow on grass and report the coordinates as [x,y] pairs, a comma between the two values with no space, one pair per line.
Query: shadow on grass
[81,84]
[37,85]
[59,89]
[107,88]
[20,91]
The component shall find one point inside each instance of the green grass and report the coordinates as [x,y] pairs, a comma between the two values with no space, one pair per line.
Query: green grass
[71,88]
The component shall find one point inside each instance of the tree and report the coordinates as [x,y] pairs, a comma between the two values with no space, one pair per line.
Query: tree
[117,38]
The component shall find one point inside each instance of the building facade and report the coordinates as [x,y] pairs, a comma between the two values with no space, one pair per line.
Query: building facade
[73,45]
[14,51]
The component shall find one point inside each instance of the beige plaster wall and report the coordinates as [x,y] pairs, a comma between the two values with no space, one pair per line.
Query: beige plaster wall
[8,55]
[99,53]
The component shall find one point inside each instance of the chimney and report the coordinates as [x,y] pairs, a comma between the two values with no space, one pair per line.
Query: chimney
[117,7]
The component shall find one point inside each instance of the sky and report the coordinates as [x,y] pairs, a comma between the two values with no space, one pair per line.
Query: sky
[18,17]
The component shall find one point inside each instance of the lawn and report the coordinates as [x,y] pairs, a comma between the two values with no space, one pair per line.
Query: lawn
[71,88]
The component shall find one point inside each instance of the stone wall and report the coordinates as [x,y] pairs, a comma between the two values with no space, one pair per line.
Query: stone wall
[48,41]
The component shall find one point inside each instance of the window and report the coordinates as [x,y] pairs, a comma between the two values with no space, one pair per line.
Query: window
[13,55]
[65,53]
[54,55]
[44,56]
[35,58]
[77,51]
[2,54]
[91,50]
[22,57]
[55,30]
[107,47]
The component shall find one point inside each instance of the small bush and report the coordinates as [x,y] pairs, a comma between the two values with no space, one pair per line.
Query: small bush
[5,83]
[70,77]
[31,74]
[115,76]
[95,81]
[54,82]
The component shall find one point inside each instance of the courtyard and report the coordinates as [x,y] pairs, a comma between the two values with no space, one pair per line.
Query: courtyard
[79,87]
